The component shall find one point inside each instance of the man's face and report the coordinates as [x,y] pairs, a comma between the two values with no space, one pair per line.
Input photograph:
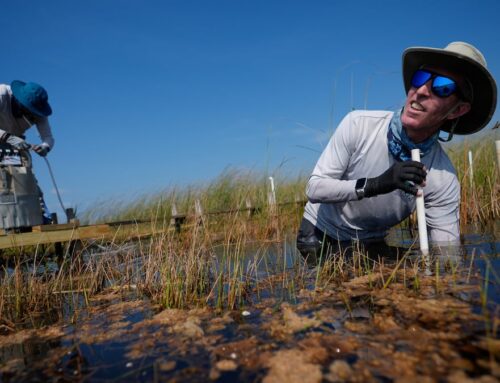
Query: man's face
[18,110]
[425,112]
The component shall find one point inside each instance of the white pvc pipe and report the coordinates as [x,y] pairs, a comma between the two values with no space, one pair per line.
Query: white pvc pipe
[471,169]
[272,198]
[422,225]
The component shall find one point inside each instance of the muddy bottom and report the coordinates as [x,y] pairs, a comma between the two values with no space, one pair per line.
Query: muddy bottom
[361,330]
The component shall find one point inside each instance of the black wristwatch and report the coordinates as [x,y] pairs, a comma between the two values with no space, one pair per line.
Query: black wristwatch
[360,188]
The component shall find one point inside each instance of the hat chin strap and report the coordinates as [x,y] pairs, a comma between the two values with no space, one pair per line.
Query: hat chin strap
[453,124]
[450,133]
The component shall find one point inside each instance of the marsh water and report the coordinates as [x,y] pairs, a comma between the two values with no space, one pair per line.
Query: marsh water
[361,329]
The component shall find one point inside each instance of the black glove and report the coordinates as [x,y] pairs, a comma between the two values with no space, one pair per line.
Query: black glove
[41,150]
[397,177]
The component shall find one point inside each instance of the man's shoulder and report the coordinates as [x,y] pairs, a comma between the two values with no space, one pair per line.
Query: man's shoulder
[367,120]
[442,172]
[371,114]
[442,160]
[5,93]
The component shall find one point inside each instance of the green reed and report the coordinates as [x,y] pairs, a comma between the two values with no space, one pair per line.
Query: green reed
[236,190]
[188,269]
[231,191]
[480,188]
[180,270]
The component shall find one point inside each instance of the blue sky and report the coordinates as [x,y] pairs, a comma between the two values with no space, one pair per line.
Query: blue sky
[152,94]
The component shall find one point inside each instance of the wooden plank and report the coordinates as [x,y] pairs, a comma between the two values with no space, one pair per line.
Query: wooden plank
[62,226]
[103,231]
[45,234]
[44,237]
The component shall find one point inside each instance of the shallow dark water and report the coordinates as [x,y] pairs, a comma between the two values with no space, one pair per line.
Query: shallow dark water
[377,334]
[483,243]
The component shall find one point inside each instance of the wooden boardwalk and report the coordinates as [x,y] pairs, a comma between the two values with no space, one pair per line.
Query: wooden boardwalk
[48,234]
[59,233]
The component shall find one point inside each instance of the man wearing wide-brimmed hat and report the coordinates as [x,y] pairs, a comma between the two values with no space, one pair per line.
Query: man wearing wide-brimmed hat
[365,181]
[23,105]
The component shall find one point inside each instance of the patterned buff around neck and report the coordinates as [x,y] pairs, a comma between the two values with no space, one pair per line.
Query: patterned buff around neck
[400,145]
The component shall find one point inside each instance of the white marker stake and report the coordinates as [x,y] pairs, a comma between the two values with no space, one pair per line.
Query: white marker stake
[272,196]
[471,170]
[422,225]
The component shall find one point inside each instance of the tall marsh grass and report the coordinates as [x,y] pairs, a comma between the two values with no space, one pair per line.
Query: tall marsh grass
[235,190]
[207,263]
[480,189]
[232,190]
[188,269]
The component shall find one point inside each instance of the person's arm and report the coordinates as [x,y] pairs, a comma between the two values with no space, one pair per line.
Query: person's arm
[5,135]
[16,142]
[325,183]
[45,132]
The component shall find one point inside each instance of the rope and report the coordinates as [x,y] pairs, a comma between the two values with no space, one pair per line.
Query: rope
[55,185]
[51,174]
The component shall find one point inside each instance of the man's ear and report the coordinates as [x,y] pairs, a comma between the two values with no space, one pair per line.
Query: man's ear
[459,110]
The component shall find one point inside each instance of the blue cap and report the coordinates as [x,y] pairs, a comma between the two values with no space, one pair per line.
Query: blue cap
[32,96]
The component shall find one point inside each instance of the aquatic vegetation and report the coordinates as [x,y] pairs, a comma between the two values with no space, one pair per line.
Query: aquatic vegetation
[248,192]
[231,192]
[243,311]
[480,184]
[226,295]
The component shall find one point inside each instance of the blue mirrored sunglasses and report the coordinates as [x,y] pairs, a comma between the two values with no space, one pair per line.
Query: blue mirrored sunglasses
[441,86]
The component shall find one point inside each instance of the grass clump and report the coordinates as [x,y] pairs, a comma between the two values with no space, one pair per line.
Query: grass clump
[207,262]
[231,191]
[480,186]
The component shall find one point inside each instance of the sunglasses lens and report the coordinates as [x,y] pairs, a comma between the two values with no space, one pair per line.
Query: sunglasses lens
[420,77]
[443,86]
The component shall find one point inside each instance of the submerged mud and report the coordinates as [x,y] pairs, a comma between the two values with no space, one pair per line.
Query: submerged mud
[362,330]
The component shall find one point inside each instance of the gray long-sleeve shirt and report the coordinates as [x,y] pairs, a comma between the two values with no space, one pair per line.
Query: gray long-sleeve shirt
[358,149]
[17,126]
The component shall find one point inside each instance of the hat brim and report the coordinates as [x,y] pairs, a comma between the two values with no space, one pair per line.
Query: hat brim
[483,85]
[19,92]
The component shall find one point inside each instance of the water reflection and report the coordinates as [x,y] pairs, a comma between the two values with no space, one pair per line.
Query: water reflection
[369,330]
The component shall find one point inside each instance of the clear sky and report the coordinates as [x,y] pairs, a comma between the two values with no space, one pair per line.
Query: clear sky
[152,94]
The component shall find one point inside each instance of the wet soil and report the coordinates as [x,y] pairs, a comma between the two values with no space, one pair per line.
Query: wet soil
[356,331]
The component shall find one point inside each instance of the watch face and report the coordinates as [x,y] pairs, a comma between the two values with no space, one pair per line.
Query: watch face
[360,188]
[360,184]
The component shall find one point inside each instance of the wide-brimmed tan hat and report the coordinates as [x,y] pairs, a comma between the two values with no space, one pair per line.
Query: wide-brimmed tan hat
[465,59]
